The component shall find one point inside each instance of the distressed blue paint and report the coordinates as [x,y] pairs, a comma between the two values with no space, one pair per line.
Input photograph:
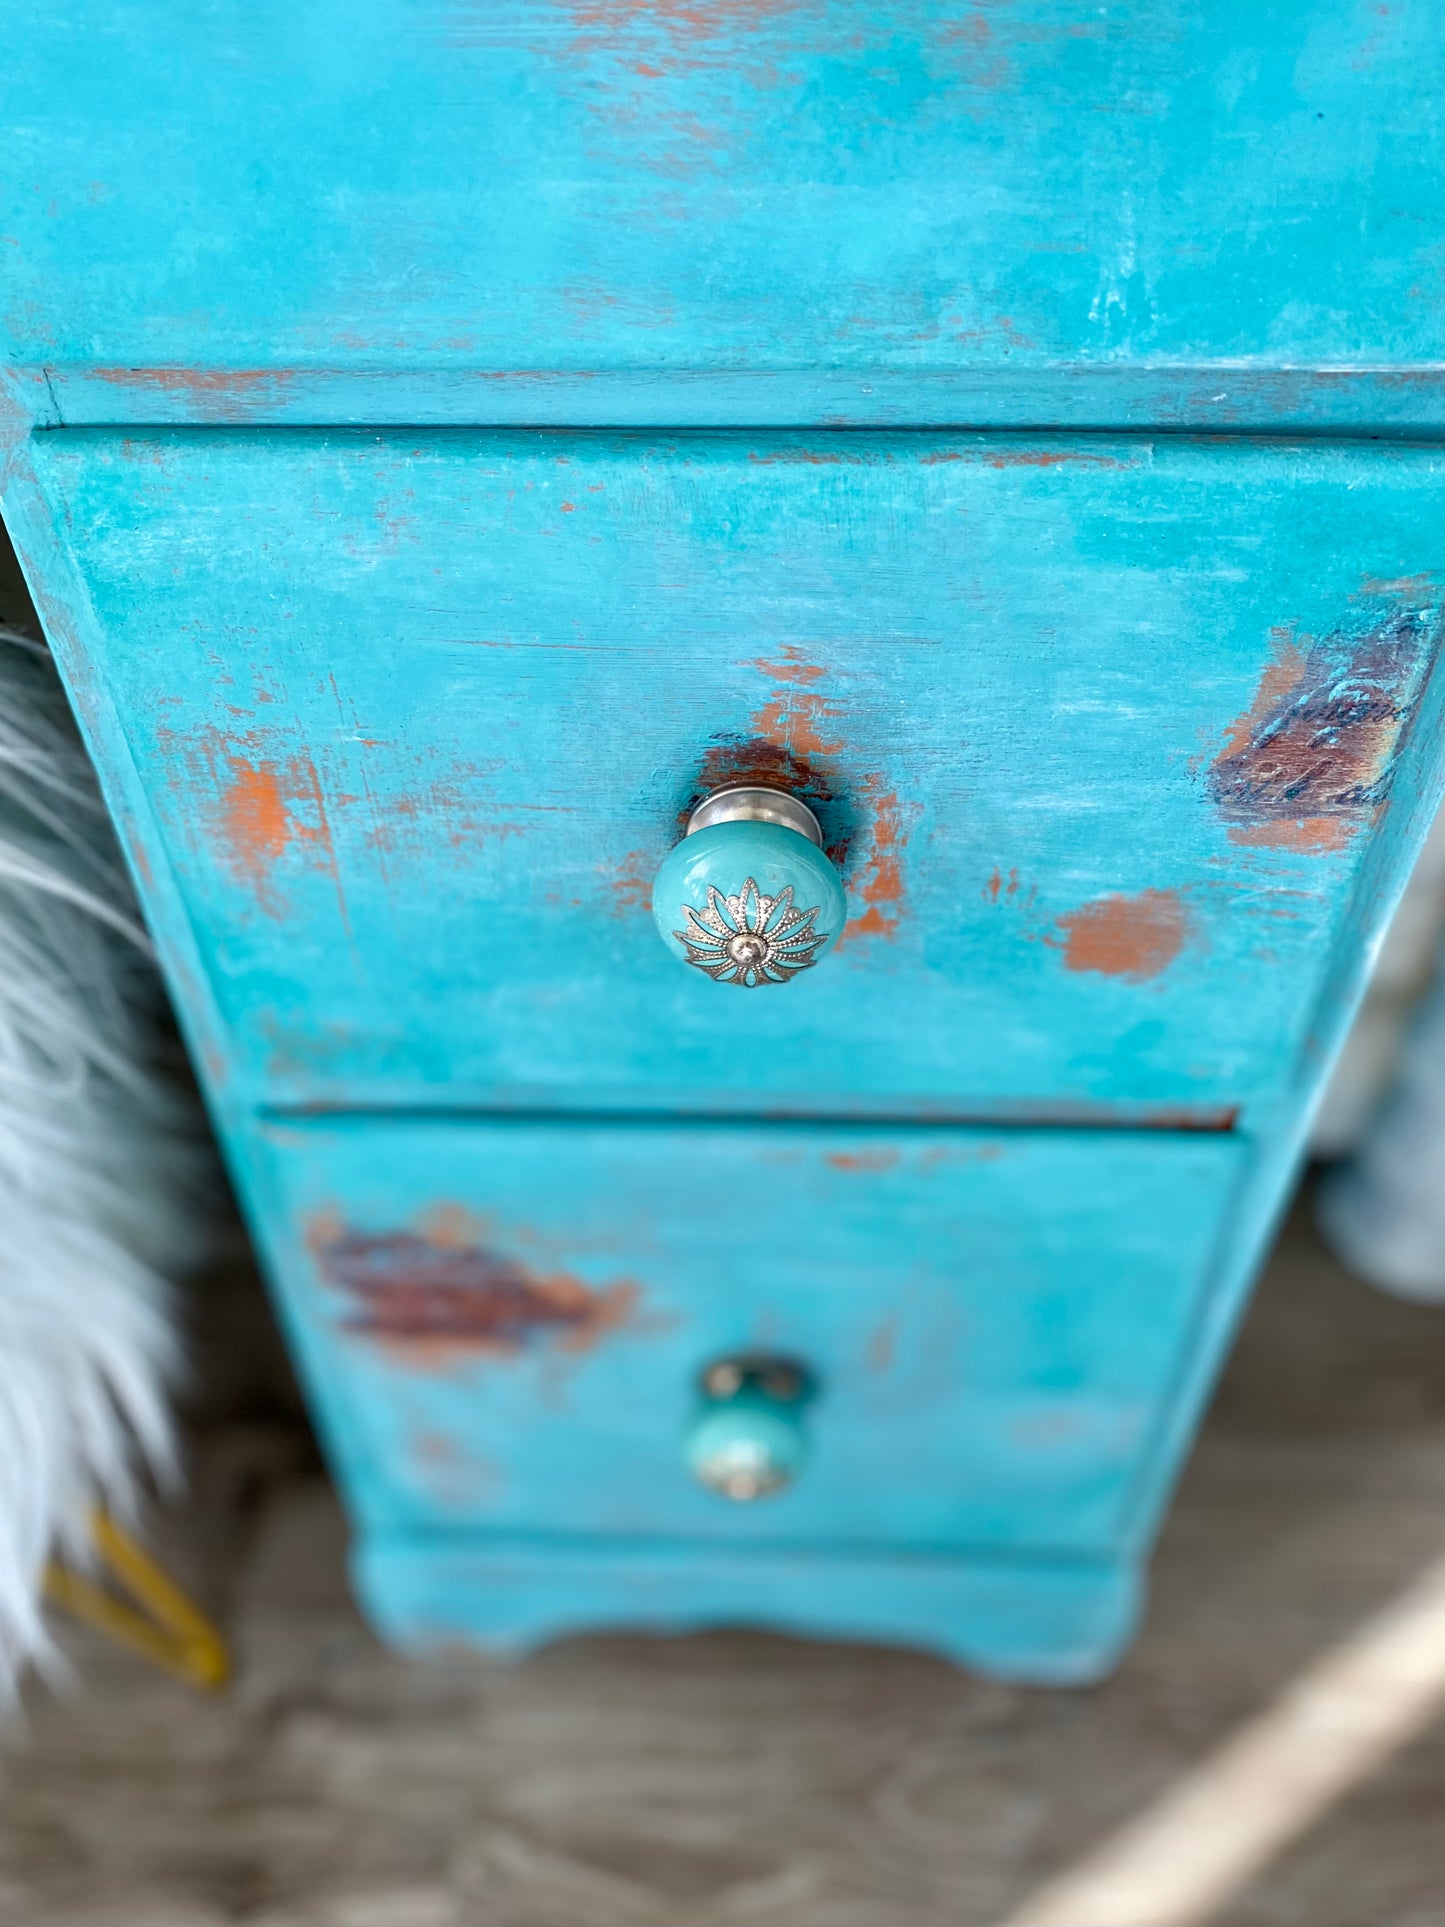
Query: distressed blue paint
[604,186]
[1208,399]
[1063,1622]
[420,715]
[508,1319]
[1122,744]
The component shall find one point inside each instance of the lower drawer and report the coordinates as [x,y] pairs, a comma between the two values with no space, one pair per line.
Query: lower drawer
[504,1323]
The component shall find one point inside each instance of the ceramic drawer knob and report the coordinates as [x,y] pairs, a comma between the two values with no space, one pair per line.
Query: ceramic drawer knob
[747,1440]
[748,897]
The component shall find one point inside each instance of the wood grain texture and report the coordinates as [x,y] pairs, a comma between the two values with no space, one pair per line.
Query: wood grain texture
[201,207]
[1097,731]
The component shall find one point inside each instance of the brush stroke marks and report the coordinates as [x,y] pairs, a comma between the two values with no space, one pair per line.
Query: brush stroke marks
[1309,762]
[433,1300]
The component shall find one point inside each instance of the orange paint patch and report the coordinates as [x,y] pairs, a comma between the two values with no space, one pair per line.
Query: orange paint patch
[1135,938]
[1315,835]
[192,380]
[259,810]
[628,883]
[881,1160]
[696,19]
[216,394]
[269,809]
[1282,676]
[798,718]
[1000,885]
[256,820]
[880,887]
[1049,458]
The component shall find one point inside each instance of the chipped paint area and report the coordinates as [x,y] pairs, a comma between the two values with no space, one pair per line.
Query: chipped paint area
[213,394]
[256,808]
[794,739]
[798,742]
[669,39]
[254,812]
[873,1158]
[1007,457]
[627,884]
[1308,763]
[433,1300]
[880,887]
[1135,938]
[799,718]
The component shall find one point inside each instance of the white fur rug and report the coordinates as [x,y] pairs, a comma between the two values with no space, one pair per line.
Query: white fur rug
[96,1177]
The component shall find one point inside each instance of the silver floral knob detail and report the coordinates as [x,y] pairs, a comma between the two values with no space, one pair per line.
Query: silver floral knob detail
[750,939]
[748,897]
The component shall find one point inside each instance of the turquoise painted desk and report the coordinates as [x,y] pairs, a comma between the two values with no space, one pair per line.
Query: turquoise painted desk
[449,444]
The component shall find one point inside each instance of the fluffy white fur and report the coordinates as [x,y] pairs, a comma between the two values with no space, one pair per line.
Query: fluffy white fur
[94,1176]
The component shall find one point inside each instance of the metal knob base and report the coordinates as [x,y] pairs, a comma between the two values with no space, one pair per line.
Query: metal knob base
[752,803]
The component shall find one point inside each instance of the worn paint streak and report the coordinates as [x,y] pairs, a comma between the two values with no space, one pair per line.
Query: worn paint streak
[657,39]
[432,1300]
[191,380]
[794,741]
[880,887]
[883,1344]
[798,717]
[799,730]
[1135,938]
[255,817]
[753,759]
[1051,458]
[1308,762]
[940,1155]
[215,394]
[259,808]
[627,884]
[881,1159]
[811,457]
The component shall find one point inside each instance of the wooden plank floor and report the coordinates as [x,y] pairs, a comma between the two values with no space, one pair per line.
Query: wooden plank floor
[721,1780]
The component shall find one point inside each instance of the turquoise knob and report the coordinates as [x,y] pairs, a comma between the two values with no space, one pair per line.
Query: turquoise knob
[747,1440]
[748,897]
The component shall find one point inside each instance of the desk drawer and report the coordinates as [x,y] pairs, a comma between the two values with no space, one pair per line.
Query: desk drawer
[1092,728]
[505,1323]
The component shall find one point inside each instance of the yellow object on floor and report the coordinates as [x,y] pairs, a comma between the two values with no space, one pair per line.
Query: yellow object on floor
[161,1625]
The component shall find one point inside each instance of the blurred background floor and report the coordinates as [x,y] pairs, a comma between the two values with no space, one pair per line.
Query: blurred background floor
[733,1778]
